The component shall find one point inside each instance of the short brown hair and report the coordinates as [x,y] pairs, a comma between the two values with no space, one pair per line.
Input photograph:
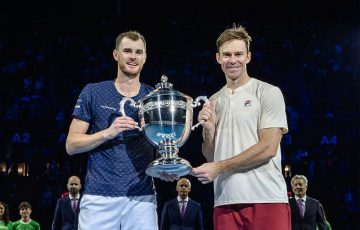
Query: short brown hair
[25,204]
[133,35]
[236,32]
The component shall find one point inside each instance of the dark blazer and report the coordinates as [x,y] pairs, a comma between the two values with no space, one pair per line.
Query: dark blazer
[313,216]
[172,220]
[64,217]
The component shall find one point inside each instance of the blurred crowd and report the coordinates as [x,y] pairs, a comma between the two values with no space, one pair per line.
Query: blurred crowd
[43,68]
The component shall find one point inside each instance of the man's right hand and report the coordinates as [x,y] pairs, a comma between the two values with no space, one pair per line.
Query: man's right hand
[207,115]
[119,125]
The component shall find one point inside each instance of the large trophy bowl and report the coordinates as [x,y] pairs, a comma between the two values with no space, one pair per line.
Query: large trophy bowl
[166,117]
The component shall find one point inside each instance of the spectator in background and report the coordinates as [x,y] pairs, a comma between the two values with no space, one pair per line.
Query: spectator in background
[25,223]
[242,128]
[5,223]
[182,212]
[67,207]
[306,212]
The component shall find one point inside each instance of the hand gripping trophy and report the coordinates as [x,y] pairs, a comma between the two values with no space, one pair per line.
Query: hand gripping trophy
[166,117]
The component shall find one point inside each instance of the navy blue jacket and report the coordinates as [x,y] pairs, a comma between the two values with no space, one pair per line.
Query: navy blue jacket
[64,217]
[313,216]
[172,220]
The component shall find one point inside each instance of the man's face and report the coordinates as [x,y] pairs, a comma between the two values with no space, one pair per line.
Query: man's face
[131,56]
[2,210]
[183,188]
[25,212]
[299,187]
[74,185]
[233,57]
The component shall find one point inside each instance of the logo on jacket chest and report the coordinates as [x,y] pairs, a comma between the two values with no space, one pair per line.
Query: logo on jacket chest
[247,103]
[108,107]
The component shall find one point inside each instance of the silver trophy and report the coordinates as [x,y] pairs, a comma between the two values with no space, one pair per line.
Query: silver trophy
[166,117]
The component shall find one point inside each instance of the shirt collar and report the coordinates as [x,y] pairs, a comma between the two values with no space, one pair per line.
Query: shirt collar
[77,197]
[238,89]
[179,199]
[297,198]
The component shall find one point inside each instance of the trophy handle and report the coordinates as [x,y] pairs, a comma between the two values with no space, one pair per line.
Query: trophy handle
[197,103]
[133,104]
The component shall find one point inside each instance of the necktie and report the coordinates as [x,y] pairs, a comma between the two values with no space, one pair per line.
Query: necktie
[301,207]
[73,205]
[183,208]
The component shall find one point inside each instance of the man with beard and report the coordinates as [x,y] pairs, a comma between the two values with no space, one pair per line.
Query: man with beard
[118,194]
[306,212]
[67,207]
[182,212]
[25,223]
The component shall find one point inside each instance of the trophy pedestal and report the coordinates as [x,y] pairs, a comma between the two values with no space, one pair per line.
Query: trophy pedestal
[169,165]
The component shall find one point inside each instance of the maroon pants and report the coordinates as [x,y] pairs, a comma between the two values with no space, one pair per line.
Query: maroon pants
[253,217]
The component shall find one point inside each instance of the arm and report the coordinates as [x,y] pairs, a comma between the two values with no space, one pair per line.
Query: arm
[208,145]
[259,153]
[56,224]
[320,217]
[164,224]
[200,220]
[79,141]
[263,151]
[207,116]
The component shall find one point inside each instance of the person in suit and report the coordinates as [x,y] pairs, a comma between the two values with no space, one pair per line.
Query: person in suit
[306,212]
[67,207]
[182,213]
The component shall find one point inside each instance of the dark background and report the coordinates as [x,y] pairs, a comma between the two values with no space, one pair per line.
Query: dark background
[49,50]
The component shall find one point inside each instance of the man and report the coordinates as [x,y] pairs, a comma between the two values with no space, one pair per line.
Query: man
[25,223]
[306,212]
[182,213]
[67,207]
[242,128]
[118,194]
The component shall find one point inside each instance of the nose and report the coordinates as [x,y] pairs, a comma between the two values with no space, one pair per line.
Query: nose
[133,55]
[232,58]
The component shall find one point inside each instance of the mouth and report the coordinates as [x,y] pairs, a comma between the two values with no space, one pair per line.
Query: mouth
[233,68]
[133,64]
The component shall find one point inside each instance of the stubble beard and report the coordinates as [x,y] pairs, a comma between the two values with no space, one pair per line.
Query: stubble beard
[130,74]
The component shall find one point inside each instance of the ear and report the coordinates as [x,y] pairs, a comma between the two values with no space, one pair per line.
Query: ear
[249,57]
[145,56]
[115,55]
[218,58]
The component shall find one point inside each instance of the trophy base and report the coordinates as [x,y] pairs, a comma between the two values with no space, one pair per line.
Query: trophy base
[174,165]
